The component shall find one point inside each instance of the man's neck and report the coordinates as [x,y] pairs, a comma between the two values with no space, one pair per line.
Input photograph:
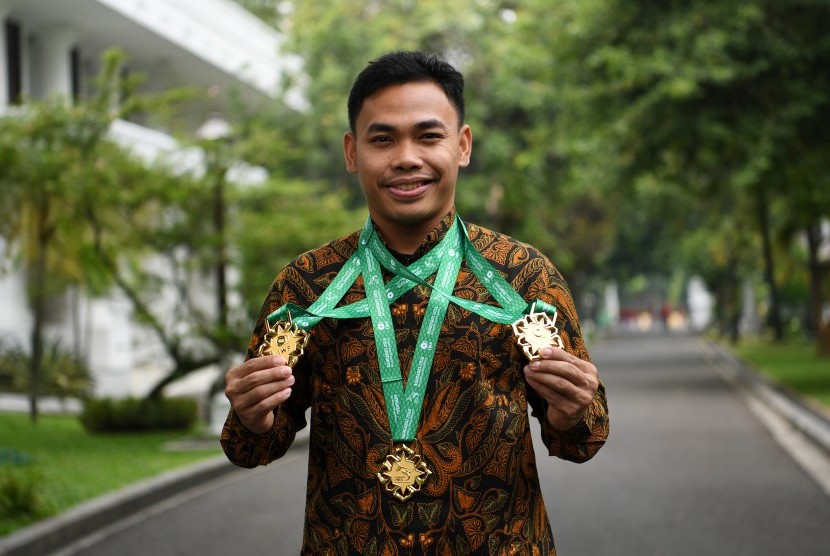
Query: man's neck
[406,239]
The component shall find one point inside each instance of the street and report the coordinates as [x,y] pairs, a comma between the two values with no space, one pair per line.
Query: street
[687,470]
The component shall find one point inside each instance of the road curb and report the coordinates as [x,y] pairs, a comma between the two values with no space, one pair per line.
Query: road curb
[57,532]
[813,424]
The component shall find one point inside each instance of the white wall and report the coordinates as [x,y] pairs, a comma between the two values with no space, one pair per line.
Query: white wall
[15,318]
[701,304]
[4,71]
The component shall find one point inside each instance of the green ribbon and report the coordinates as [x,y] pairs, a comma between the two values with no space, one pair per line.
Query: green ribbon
[403,405]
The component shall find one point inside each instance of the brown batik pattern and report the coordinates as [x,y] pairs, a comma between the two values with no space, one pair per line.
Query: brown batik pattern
[484,495]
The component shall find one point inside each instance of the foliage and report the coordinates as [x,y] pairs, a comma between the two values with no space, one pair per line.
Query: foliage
[623,138]
[514,183]
[700,119]
[138,415]
[794,364]
[74,466]
[66,190]
[64,373]
[281,219]
[21,494]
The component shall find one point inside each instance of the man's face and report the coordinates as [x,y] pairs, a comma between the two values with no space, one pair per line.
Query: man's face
[406,150]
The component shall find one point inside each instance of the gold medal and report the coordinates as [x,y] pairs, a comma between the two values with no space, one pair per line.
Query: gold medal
[286,339]
[403,472]
[536,331]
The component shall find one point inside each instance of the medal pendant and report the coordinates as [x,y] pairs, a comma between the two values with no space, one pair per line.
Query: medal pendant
[286,339]
[403,472]
[536,331]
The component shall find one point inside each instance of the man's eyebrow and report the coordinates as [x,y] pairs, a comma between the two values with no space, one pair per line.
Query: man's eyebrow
[430,124]
[381,127]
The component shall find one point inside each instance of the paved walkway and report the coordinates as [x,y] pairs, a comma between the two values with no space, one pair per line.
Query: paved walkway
[691,468]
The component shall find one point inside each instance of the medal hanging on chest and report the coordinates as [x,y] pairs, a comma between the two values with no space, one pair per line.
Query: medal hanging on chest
[404,470]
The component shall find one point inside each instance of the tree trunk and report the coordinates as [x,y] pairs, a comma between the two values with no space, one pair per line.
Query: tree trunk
[769,266]
[817,270]
[37,299]
[733,307]
[727,306]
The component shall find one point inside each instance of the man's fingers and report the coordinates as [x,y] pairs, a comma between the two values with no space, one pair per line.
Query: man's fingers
[255,372]
[562,369]
[266,397]
[559,375]
[259,363]
[257,387]
[552,387]
[560,362]
[255,408]
[264,376]
[551,383]
[260,385]
[558,354]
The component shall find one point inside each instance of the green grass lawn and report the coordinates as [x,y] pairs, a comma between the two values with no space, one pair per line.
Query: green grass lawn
[65,465]
[793,363]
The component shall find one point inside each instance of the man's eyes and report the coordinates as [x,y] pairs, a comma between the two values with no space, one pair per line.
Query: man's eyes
[428,136]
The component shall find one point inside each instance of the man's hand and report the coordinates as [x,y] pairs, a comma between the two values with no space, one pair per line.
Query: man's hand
[567,383]
[256,388]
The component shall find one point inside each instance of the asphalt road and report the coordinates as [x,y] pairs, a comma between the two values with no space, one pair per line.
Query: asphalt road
[688,470]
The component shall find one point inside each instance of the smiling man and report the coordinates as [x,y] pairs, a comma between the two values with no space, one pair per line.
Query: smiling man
[406,147]
[419,343]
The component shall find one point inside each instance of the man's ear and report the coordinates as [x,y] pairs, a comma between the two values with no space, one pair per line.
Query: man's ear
[350,151]
[465,146]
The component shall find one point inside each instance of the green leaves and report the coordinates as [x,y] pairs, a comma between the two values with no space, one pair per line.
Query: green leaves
[605,131]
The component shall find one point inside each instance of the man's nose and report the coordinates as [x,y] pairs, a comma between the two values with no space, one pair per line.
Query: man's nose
[407,156]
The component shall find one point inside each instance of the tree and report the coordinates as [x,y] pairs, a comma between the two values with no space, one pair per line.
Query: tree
[52,153]
[514,183]
[80,210]
[604,131]
[721,99]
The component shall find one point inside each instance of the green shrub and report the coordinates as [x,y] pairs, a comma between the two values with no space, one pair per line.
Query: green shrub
[138,415]
[20,496]
[63,372]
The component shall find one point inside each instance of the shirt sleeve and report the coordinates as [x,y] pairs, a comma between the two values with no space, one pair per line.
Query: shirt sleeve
[583,441]
[247,449]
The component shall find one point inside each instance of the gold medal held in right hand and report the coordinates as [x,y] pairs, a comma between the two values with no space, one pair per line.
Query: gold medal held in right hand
[286,339]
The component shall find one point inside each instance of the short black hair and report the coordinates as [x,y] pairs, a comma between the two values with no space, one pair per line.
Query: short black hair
[400,67]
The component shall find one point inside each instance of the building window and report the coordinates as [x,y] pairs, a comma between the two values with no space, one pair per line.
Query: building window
[14,64]
[75,73]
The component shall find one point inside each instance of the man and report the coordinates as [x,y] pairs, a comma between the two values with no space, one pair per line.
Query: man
[418,387]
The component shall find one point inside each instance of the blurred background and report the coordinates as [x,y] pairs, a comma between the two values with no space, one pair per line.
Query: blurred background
[161,160]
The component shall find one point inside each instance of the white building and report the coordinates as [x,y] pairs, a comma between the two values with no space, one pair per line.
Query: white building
[53,47]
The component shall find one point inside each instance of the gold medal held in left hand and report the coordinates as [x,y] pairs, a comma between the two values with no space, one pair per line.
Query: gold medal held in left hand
[403,472]
[286,339]
[535,332]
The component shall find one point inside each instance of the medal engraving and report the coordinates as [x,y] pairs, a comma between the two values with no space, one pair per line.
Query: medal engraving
[536,331]
[403,472]
[286,339]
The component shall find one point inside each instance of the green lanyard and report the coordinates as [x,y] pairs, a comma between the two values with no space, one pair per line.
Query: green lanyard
[403,405]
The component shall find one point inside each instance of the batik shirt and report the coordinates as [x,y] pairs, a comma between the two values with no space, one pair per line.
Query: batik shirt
[483,496]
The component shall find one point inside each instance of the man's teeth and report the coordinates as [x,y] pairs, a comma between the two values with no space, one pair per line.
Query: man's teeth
[409,186]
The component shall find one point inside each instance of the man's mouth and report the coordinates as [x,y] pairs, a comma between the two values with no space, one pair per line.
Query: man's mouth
[410,186]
